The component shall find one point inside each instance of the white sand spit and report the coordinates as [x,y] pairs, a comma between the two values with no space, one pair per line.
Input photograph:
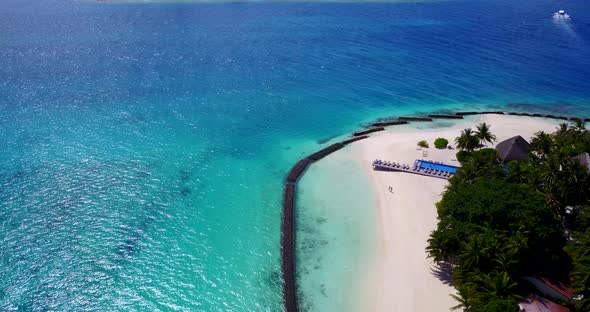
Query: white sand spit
[403,279]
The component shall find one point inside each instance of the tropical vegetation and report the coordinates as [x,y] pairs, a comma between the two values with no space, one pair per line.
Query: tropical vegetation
[483,133]
[500,222]
[423,144]
[467,141]
[441,143]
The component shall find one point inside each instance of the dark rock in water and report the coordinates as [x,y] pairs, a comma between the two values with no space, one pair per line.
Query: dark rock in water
[185,191]
[145,222]
[492,113]
[466,113]
[185,176]
[445,116]
[19,175]
[352,140]
[142,174]
[307,245]
[274,278]
[371,130]
[412,118]
[128,247]
[293,176]
[321,220]
[323,290]
[303,303]
[326,151]
[389,123]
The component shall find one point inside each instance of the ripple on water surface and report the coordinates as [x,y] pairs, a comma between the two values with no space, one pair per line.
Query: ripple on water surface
[143,148]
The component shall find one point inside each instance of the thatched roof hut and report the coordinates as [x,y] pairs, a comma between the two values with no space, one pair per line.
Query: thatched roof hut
[515,148]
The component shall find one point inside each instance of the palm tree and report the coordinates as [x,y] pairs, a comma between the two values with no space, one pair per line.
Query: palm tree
[518,172]
[466,297]
[562,131]
[517,244]
[442,245]
[473,252]
[483,133]
[505,263]
[550,178]
[580,125]
[579,130]
[467,141]
[541,144]
[498,285]
[581,272]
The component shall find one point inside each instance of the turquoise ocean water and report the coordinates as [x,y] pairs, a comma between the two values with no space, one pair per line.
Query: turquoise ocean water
[143,146]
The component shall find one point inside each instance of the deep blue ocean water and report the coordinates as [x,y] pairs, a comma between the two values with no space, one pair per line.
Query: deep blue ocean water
[143,146]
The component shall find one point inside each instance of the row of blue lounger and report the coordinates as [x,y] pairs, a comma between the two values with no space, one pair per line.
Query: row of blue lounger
[391,164]
[432,172]
[416,168]
[432,161]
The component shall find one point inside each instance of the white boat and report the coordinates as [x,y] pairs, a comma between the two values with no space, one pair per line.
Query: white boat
[561,15]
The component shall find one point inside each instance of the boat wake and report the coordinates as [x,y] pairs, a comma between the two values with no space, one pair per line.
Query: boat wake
[561,15]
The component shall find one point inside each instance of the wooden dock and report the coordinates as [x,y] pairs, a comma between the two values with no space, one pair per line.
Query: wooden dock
[393,166]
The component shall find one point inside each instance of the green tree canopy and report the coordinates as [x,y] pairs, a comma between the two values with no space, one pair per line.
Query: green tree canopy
[441,143]
[467,141]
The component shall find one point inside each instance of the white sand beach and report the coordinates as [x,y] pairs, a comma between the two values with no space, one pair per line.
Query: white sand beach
[403,279]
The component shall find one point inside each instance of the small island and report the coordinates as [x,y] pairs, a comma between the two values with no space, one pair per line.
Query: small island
[485,213]
[508,233]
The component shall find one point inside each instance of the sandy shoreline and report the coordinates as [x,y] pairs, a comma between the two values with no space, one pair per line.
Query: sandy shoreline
[402,278]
